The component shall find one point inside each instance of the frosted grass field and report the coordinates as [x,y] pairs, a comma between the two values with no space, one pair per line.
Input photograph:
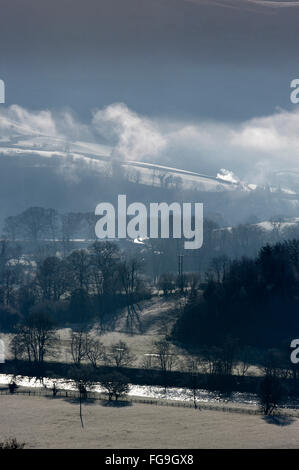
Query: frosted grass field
[46,422]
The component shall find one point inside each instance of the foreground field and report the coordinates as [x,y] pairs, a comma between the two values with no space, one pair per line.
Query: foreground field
[54,423]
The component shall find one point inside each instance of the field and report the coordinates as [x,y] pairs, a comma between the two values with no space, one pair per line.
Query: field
[157,317]
[43,422]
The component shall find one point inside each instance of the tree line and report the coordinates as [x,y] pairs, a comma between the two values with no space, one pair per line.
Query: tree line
[252,301]
[87,285]
[42,232]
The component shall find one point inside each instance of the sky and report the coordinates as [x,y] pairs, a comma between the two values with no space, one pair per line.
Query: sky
[206,82]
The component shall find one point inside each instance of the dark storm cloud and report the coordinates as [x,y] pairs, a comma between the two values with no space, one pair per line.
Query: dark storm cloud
[218,59]
[227,29]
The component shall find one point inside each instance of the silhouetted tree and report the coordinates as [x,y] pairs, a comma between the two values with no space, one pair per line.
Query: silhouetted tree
[115,385]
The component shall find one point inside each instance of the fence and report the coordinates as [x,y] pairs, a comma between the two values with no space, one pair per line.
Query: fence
[145,401]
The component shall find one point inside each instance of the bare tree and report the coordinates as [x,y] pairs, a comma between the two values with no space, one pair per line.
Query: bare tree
[70,224]
[165,358]
[52,278]
[95,351]
[270,394]
[221,360]
[36,337]
[245,357]
[115,385]
[36,222]
[80,266]
[193,379]
[84,381]
[166,283]
[11,228]
[219,266]
[129,280]
[17,347]
[104,258]
[164,353]
[79,345]
[120,354]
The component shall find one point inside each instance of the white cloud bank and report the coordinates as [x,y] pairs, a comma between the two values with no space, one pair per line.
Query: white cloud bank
[135,136]
[250,149]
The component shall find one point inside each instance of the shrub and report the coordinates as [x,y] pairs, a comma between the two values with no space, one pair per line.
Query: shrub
[12,443]
[115,385]
[270,394]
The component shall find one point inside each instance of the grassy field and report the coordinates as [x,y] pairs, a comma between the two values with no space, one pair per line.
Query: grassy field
[157,317]
[43,422]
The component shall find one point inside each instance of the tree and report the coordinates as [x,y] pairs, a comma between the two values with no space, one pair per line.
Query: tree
[70,225]
[221,359]
[120,354]
[11,228]
[95,351]
[130,283]
[54,389]
[17,347]
[37,337]
[27,298]
[80,267]
[229,351]
[219,266]
[115,384]
[79,345]
[164,358]
[193,379]
[163,350]
[9,318]
[52,279]
[80,306]
[166,283]
[12,387]
[104,259]
[245,358]
[84,381]
[270,394]
[10,280]
[36,222]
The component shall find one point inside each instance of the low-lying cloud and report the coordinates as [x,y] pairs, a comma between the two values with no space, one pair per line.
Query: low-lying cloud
[134,136]
[252,149]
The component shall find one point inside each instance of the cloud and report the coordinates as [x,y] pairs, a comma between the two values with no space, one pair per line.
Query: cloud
[16,119]
[135,137]
[253,149]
